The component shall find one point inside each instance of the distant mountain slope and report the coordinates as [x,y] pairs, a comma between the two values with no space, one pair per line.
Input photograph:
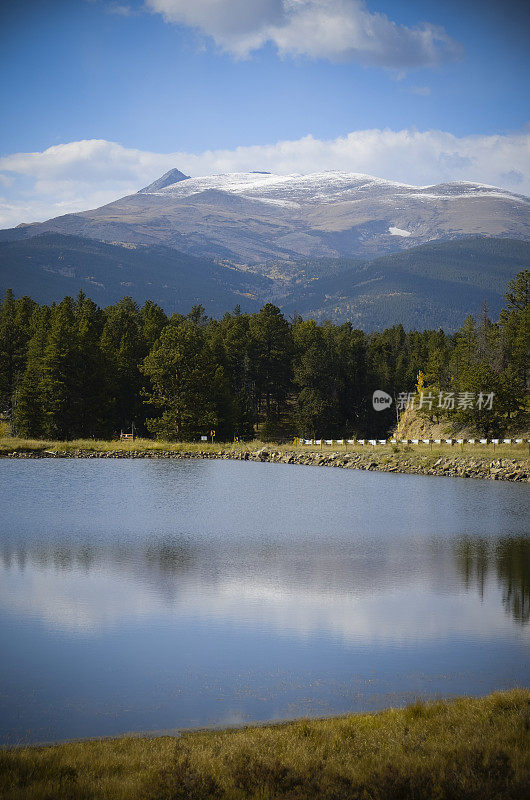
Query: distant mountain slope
[434,285]
[50,266]
[431,286]
[253,218]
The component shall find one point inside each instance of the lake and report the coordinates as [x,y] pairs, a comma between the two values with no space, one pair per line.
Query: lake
[154,595]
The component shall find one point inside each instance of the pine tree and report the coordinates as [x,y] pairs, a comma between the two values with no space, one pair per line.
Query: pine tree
[7,357]
[184,380]
[15,332]
[152,321]
[270,351]
[312,373]
[124,348]
[89,400]
[515,325]
[28,416]
[349,388]
[229,341]
[59,373]
[464,355]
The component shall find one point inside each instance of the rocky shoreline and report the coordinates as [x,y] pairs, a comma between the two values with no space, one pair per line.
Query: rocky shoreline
[504,469]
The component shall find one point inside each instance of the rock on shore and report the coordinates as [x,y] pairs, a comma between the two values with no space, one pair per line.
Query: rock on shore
[503,469]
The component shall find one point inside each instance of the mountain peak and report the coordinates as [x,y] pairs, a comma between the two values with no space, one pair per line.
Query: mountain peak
[168,179]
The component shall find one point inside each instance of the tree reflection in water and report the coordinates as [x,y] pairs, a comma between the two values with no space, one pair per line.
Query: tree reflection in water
[510,557]
[164,562]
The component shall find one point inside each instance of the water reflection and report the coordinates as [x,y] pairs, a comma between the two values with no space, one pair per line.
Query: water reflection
[168,557]
[142,596]
[333,583]
[509,557]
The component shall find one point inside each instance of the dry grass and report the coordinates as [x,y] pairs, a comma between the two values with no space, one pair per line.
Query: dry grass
[518,452]
[10,444]
[425,452]
[469,749]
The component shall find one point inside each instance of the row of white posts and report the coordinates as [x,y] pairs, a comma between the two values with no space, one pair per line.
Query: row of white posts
[375,442]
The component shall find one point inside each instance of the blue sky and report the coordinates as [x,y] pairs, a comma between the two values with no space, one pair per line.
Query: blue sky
[169,78]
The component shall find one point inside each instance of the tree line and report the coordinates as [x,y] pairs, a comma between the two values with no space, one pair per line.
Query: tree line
[72,370]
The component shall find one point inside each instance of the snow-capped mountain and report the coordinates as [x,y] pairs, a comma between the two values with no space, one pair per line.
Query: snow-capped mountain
[320,187]
[258,217]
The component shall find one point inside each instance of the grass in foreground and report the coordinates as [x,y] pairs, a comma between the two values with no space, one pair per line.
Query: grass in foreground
[469,749]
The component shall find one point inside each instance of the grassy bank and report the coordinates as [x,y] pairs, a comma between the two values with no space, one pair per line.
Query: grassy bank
[10,444]
[476,749]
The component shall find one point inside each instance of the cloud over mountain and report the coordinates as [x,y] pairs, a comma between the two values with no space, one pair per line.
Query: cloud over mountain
[85,174]
[338,30]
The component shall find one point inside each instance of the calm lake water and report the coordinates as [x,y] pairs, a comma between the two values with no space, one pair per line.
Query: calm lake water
[157,595]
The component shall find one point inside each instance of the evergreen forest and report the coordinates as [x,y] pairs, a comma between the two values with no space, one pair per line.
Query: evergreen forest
[73,369]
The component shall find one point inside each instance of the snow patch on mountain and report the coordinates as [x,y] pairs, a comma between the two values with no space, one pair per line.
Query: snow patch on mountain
[497,194]
[399,231]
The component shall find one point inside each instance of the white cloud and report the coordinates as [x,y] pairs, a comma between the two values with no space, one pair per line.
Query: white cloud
[338,30]
[80,175]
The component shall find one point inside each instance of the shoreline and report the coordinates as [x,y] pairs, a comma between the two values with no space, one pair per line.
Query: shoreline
[410,461]
[466,747]
[275,723]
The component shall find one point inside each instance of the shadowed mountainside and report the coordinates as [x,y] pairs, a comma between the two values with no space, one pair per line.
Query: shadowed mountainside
[434,285]
[50,266]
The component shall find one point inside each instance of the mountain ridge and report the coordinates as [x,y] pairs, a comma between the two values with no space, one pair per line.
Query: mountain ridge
[254,218]
[337,245]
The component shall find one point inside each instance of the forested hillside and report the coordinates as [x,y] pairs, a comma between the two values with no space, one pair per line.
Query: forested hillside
[434,285]
[50,266]
[74,369]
